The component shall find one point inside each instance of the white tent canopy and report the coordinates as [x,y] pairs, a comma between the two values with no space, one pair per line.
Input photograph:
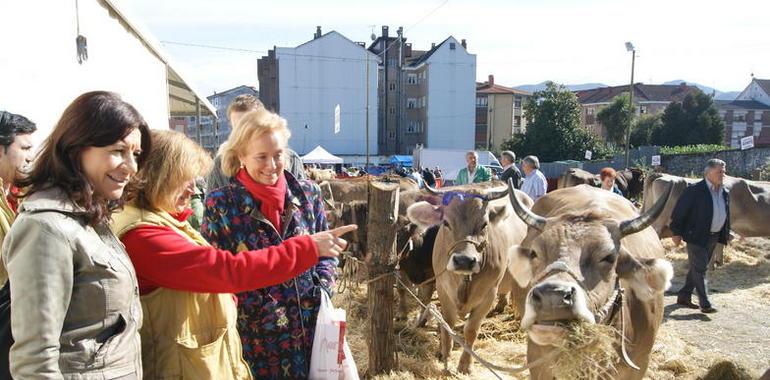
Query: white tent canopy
[319,155]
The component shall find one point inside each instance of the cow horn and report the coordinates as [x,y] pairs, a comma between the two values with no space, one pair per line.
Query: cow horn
[531,219]
[632,226]
[433,191]
[494,195]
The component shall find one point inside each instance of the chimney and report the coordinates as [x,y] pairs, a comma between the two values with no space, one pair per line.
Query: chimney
[465,44]
[317,32]
[433,45]
[385,31]
[491,79]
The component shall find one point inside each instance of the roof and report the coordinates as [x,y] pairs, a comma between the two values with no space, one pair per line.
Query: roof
[741,105]
[401,160]
[642,93]
[182,95]
[424,57]
[319,155]
[225,92]
[764,84]
[331,33]
[486,88]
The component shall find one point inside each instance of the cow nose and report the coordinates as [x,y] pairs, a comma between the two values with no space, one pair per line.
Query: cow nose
[463,262]
[549,296]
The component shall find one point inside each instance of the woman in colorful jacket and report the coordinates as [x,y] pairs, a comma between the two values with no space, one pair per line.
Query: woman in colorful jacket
[75,311]
[262,206]
[184,283]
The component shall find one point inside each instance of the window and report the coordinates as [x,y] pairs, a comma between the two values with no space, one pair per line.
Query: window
[412,127]
[392,86]
[481,101]
[216,102]
[452,46]
[411,103]
[392,110]
[517,102]
[392,135]
[642,109]
[739,117]
[517,121]
[589,111]
[757,116]
[421,102]
[411,79]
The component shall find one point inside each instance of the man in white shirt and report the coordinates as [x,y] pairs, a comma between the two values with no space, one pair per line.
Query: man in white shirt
[534,184]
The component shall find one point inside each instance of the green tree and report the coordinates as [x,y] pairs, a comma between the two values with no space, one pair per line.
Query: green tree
[553,128]
[644,127]
[693,121]
[615,118]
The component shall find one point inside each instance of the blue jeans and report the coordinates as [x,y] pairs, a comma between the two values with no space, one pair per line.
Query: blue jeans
[698,257]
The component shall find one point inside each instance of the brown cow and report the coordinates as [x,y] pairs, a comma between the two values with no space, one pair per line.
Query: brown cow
[630,181]
[749,203]
[470,256]
[585,251]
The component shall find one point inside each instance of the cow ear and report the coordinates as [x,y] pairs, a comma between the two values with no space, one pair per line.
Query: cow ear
[425,214]
[646,277]
[498,213]
[520,265]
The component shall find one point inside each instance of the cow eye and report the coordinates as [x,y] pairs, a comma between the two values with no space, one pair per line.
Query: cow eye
[446,224]
[532,254]
[610,259]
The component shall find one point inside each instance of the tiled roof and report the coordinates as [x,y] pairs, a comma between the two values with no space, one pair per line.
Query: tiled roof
[740,105]
[486,88]
[424,57]
[642,92]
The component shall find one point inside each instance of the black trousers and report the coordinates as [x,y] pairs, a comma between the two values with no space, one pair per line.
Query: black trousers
[698,258]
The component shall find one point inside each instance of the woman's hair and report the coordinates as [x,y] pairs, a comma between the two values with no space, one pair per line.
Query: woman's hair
[253,124]
[607,172]
[94,119]
[174,159]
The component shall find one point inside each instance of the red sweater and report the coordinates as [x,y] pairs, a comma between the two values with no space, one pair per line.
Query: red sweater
[165,259]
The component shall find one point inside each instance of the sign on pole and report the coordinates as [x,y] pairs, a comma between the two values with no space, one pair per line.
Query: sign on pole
[747,142]
[337,119]
[655,160]
[589,154]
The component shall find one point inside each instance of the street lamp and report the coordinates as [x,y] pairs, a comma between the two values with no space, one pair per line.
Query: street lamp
[630,47]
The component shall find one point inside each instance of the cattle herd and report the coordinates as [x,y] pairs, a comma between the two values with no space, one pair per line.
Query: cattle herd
[579,254]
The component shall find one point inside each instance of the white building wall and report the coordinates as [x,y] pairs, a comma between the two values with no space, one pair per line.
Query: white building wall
[40,74]
[451,112]
[754,92]
[313,79]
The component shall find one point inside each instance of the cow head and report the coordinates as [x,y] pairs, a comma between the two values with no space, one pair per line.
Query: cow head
[573,263]
[464,217]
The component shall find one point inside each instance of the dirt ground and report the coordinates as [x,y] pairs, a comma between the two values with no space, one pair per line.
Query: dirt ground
[688,343]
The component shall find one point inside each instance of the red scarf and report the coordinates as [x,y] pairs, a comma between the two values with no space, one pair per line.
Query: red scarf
[271,197]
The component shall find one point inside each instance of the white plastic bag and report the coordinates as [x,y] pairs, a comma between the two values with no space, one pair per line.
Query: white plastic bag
[331,358]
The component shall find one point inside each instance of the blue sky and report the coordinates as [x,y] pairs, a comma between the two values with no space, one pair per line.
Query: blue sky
[714,43]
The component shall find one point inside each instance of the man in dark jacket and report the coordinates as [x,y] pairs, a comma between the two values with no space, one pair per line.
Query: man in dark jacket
[701,218]
[510,171]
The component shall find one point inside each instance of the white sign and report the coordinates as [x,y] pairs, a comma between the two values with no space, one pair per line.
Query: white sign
[655,160]
[747,142]
[589,154]
[337,119]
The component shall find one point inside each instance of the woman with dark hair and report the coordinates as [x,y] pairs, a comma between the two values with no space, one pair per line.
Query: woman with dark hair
[75,309]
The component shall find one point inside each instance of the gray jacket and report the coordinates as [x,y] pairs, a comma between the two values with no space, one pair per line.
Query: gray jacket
[75,310]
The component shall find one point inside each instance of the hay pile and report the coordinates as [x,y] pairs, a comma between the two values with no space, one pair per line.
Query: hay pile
[587,353]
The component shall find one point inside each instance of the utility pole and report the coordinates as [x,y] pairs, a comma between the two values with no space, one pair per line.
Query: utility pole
[630,47]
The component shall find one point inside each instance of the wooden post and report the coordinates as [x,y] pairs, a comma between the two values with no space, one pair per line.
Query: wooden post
[381,248]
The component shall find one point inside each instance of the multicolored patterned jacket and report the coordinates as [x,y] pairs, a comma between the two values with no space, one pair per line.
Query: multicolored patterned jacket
[276,323]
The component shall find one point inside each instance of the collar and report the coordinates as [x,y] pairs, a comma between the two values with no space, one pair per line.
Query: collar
[507,167]
[532,174]
[51,199]
[712,187]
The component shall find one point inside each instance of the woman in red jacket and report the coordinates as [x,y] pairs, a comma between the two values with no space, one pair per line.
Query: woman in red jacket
[185,284]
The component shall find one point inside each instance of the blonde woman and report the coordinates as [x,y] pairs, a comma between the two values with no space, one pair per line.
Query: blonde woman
[264,206]
[184,283]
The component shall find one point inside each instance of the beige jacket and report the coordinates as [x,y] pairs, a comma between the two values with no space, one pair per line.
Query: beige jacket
[186,335]
[75,311]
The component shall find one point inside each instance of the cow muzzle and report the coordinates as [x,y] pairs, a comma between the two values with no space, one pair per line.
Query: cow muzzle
[463,264]
[551,305]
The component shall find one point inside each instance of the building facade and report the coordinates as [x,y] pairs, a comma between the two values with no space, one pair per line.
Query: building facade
[648,99]
[748,114]
[305,84]
[426,96]
[499,114]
